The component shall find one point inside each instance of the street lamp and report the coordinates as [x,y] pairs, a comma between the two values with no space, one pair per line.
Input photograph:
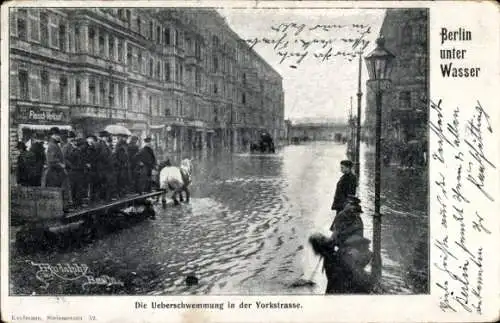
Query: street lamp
[379,64]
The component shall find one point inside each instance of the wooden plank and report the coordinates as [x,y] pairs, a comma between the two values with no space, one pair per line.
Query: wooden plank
[112,205]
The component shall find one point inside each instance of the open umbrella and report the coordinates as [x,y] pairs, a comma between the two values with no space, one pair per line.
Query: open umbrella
[116,129]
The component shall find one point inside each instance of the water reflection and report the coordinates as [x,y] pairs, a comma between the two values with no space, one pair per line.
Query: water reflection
[246,229]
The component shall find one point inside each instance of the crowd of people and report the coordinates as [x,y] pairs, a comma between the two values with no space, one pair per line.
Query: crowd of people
[102,167]
[345,253]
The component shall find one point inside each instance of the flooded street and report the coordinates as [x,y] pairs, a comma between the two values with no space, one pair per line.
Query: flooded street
[246,229]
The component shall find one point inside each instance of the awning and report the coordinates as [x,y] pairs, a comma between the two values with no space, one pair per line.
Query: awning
[44,127]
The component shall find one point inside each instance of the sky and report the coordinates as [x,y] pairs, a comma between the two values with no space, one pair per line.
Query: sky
[314,88]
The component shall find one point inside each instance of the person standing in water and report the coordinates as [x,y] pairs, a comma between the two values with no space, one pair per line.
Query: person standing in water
[345,186]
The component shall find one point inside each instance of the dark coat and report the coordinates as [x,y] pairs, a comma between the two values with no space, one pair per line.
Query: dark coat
[146,156]
[39,155]
[56,175]
[346,225]
[345,186]
[25,168]
[133,149]
[104,160]
[74,159]
[120,159]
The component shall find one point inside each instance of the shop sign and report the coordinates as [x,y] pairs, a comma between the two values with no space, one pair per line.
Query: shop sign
[41,115]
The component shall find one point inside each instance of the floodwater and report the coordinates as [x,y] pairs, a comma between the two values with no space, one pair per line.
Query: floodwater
[246,229]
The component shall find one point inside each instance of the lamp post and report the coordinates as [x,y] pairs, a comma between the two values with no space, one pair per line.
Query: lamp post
[358,122]
[379,64]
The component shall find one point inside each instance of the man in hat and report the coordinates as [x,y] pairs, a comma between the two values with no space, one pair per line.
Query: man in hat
[90,158]
[56,175]
[75,165]
[345,186]
[146,161]
[104,167]
[25,165]
[38,152]
[133,149]
[121,165]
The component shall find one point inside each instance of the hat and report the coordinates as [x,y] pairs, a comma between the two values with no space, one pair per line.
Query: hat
[80,142]
[353,199]
[147,139]
[91,136]
[71,134]
[54,131]
[104,133]
[346,163]
[134,137]
[21,146]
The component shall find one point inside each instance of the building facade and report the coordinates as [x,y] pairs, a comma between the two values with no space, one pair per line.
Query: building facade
[318,132]
[180,75]
[405,103]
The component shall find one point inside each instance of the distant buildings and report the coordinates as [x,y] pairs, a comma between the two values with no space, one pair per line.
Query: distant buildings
[404,107]
[317,132]
[181,75]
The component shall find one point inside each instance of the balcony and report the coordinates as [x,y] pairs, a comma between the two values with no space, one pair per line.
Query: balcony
[104,64]
[88,111]
[30,47]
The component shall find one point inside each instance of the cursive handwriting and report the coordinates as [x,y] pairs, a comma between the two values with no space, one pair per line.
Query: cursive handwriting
[295,42]
[462,153]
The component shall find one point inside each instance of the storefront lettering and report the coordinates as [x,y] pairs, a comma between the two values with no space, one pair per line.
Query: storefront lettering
[46,115]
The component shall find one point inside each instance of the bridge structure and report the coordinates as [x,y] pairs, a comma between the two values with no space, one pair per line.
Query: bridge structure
[318,132]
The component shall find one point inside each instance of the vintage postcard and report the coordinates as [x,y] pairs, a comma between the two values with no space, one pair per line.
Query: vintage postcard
[250,161]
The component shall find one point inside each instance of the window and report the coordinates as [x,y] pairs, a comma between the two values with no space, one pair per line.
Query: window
[151,67]
[139,61]
[44,28]
[166,74]
[129,56]
[22,17]
[101,45]
[120,50]
[158,34]
[150,111]
[45,86]
[197,79]
[102,93]
[405,100]
[177,38]
[23,85]
[129,17]
[138,25]
[77,40]
[63,89]
[129,98]
[34,24]
[111,48]
[216,89]
[54,33]
[111,94]
[244,78]
[197,49]
[92,41]
[151,30]
[243,98]
[92,96]
[166,36]
[78,91]
[215,65]
[62,37]
[158,70]
[120,95]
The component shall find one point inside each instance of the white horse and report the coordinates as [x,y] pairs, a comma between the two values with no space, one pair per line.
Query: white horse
[177,180]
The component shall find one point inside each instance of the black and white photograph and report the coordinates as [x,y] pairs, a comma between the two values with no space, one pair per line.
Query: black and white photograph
[218,151]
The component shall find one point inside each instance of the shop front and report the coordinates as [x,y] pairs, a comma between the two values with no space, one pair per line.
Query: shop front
[33,121]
